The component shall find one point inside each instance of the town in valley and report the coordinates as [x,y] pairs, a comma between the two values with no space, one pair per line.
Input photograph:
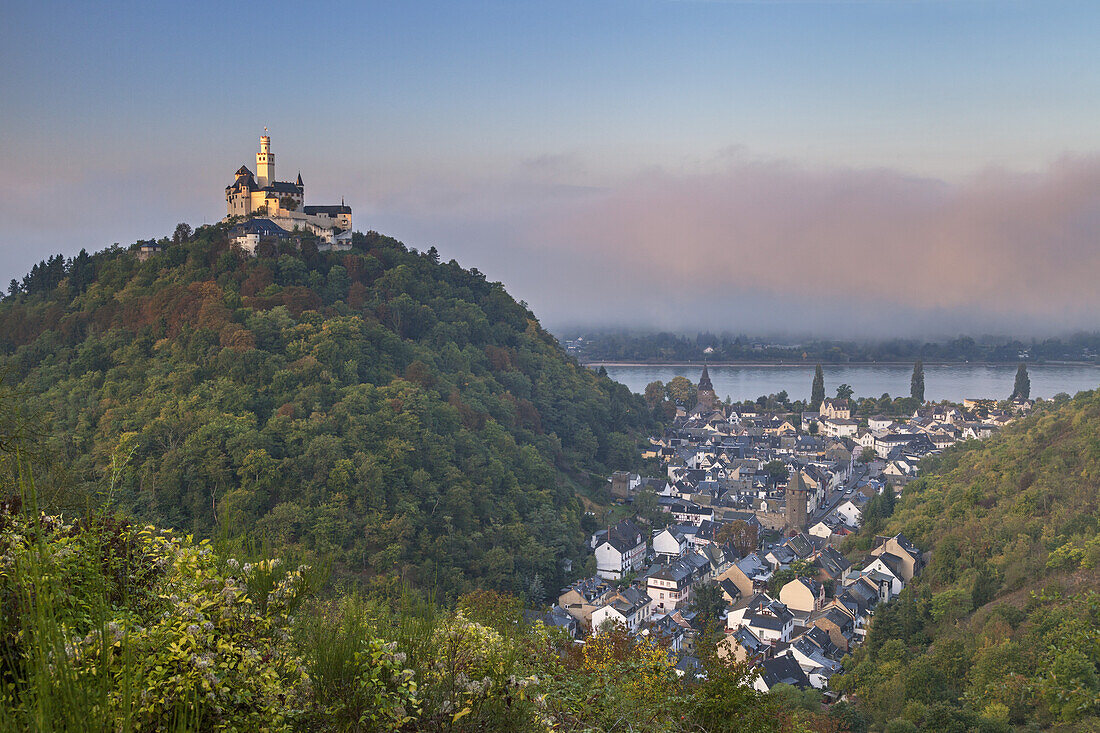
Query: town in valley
[746,516]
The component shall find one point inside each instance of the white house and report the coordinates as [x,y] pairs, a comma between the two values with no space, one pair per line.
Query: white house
[619,550]
[887,579]
[839,427]
[879,422]
[851,511]
[768,619]
[670,542]
[630,608]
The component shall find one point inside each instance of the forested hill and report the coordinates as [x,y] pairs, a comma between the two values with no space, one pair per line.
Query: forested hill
[403,416]
[1002,629]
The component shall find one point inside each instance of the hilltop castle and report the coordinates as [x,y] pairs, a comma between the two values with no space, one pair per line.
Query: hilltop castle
[277,208]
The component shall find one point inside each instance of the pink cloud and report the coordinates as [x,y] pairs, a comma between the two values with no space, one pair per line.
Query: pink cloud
[998,242]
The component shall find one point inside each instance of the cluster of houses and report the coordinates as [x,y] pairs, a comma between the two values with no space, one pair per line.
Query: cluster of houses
[795,634]
[756,505]
[800,636]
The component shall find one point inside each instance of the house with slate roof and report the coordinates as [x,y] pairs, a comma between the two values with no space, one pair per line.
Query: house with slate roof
[620,551]
[749,574]
[910,560]
[583,597]
[630,607]
[816,655]
[838,623]
[768,619]
[803,596]
[743,646]
[780,670]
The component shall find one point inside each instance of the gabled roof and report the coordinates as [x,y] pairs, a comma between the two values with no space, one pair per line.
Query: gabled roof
[749,640]
[630,600]
[800,545]
[589,588]
[832,562]
[783,670]
[624,536]
[809,584]
[730,588]
[753,567]
[764,612]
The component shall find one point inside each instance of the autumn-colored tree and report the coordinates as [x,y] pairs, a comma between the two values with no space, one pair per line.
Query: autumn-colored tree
[743,536]
[682,390]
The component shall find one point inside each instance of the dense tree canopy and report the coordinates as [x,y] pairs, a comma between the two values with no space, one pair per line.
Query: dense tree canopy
[406,417]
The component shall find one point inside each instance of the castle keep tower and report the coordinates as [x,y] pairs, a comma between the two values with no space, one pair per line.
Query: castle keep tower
[265,162]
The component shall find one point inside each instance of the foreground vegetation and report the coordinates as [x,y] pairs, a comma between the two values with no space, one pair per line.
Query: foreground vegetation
[1002,630]
[108,625]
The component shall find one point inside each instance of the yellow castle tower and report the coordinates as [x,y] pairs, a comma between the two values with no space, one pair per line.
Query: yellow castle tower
[265,162]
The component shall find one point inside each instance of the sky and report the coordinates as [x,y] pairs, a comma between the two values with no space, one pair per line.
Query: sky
[848,167]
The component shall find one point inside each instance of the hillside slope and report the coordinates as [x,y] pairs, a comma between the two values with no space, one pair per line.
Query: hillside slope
[1002,630]
[401,415]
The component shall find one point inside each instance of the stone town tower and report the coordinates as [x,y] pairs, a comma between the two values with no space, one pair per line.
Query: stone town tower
[797,501]
[265,162]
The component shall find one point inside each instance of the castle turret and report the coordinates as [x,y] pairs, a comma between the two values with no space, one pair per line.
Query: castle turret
[265,162]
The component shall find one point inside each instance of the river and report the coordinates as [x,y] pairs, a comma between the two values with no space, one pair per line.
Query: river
[941,382]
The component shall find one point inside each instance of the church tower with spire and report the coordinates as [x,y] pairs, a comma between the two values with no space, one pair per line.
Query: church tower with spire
[705,397]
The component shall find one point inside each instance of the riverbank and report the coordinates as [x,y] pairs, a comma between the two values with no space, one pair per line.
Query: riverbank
[808,363]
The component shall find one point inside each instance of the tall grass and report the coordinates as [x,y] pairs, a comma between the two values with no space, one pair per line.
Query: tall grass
[43,689]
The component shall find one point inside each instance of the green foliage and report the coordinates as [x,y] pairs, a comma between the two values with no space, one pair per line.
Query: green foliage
[777,470]
[817,389]
[1002,629]
[1021,388]
[404,417]
[682,391]
[109,625]
[671,348]
[916,383]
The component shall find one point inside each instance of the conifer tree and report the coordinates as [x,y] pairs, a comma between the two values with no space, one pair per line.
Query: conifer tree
[817,392]
[1022,389]
[916,385]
